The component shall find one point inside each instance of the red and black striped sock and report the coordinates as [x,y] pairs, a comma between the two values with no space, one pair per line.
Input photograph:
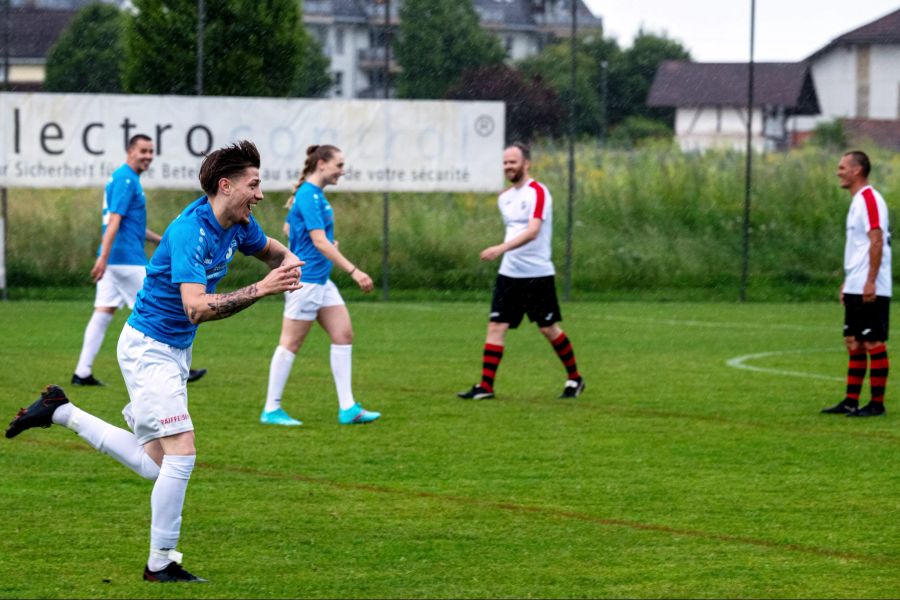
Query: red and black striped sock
[566,354]
[878,373]
[856,373]
[489,365]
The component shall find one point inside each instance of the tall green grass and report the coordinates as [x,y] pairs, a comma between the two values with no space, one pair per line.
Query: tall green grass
[654,222]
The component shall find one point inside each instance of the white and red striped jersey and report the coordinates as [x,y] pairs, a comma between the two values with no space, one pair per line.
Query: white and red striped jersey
[868,211]
[518,206]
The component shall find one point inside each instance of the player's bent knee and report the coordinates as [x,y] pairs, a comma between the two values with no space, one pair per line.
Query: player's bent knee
[148,469]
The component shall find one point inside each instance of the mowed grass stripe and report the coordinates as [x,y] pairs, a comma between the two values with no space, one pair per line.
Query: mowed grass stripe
[674,475]
[515,507]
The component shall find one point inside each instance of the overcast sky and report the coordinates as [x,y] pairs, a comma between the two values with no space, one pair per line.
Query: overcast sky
[719,30]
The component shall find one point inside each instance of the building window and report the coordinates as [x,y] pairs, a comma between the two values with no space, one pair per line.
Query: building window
[338,87]
[338,41]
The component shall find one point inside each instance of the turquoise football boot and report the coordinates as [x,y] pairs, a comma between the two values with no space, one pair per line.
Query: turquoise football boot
[278,417]
[356,415]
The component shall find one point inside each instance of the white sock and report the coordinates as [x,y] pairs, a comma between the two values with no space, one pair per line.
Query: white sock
[279,370]
[93,339]
[341,370]
[166,502]
[113,441]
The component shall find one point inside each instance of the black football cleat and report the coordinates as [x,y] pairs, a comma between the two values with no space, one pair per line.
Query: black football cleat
[476,393]
[844,407]
[872,409]
[195,374]
[40,413]
[89,380]
[573,388]
[173,573]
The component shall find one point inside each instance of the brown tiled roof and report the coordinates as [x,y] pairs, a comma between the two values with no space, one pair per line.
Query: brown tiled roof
[33,31]
[685,83]
[885,30]
[882,133]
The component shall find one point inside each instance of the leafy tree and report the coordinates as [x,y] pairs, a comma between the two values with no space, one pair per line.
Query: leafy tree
[553,66]
[438,41]
[634,74]
[87,57]
[160,48]
[829,135]
[629,74]
[312,77]
[251,48]
[532,108]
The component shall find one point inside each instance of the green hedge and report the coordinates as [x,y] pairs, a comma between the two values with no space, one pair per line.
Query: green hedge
[654,222]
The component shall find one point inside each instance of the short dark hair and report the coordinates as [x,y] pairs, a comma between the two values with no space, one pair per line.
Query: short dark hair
[227,162]
[861,159]
[524,148]
[138,137]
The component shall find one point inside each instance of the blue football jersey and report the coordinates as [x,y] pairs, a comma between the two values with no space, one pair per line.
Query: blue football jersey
[311,210]
[125,196]
[193,249]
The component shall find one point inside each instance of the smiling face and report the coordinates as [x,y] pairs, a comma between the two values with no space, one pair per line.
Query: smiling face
[140,155]
[848,172]
[243,192]
[331,170]
[515,167]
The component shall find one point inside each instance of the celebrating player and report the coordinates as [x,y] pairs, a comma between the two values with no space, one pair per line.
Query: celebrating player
[310,225]
[866,291]
[154,348]
[120,267]
[525,283]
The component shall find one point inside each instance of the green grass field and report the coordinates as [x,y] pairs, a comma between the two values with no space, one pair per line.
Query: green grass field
[674,475]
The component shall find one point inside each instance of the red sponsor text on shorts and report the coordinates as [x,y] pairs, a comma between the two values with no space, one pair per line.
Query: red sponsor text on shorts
[175,419]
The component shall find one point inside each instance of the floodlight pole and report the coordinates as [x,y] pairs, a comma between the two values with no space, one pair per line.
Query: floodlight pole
[201,23]
[6,37]
[4,215]
[386,202]
[745,262]
[571,204]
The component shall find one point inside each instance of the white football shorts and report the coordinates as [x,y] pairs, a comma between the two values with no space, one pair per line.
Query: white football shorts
[119,286]
[156,377]
[304,304]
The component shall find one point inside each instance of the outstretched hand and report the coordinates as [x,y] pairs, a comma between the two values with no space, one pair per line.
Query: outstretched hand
[284,278]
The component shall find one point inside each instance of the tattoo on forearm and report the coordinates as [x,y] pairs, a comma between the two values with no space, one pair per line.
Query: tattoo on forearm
[226,305]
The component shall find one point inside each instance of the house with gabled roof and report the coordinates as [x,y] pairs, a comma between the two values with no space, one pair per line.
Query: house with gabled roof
[710,101]
[856,78]
[32,32]
[857,74]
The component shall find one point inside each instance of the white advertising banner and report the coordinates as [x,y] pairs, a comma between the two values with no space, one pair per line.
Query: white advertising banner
[78,140]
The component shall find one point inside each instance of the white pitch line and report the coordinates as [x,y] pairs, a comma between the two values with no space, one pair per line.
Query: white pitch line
[739,362]
[720,324]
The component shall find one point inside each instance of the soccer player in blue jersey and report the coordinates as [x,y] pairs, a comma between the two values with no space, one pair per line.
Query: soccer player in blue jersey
[120,267]
[154,349]
[310,225]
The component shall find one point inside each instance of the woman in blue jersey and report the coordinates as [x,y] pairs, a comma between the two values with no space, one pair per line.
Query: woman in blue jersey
[310,225]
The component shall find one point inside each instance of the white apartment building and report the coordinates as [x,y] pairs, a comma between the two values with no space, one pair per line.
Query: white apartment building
[353,34]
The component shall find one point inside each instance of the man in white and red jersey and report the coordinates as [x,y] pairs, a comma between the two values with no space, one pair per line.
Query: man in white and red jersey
[866,291]
[525,283]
